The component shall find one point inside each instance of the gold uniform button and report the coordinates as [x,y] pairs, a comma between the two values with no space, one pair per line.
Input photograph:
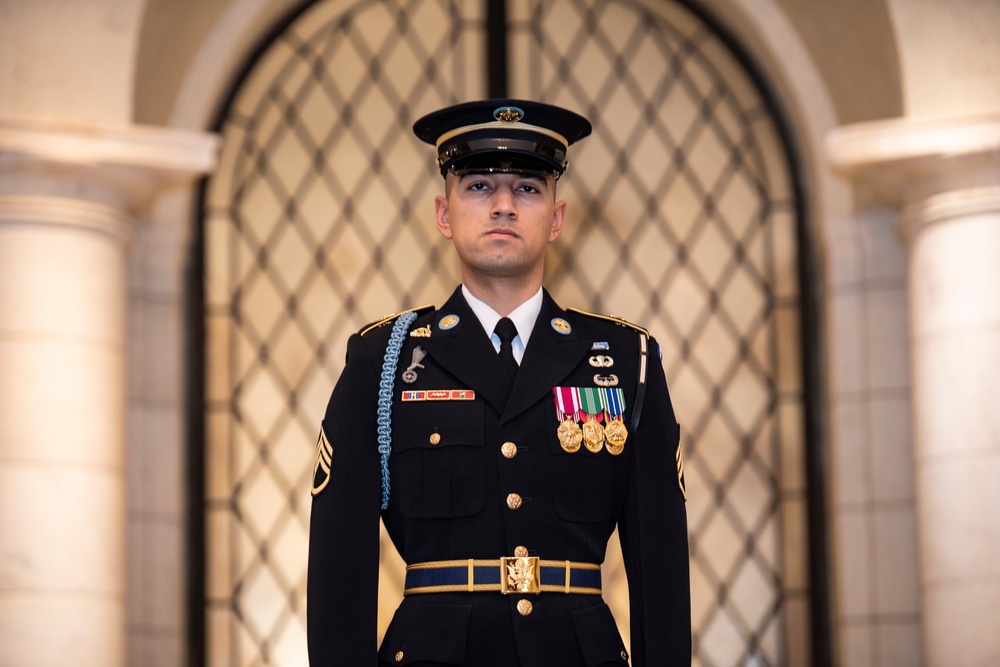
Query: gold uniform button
[513,501]
[399,656]
[520,552]
[509,450]
[435,438]
[523,607]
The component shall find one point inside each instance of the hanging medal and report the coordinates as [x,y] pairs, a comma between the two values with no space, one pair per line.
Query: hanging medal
[567,406]
[615,432]
[593,432]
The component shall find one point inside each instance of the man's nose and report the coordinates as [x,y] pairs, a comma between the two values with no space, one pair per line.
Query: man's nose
[504,204]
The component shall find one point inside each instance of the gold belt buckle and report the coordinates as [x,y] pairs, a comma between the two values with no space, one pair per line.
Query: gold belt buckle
[520,574]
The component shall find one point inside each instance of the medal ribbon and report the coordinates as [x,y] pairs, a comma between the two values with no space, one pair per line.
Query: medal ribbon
[567,402]
[613,400]
[591,402]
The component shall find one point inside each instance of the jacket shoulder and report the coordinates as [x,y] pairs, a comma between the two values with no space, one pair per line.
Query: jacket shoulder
[614,319]
[392,317]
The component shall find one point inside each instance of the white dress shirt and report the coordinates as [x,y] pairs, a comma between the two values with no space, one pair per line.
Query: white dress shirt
[523,316]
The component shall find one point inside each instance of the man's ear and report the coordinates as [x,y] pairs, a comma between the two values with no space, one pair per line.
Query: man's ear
[558,220]
[441,220]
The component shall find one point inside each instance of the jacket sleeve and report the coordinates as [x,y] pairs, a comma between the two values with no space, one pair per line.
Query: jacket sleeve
[342,586]
[653,533]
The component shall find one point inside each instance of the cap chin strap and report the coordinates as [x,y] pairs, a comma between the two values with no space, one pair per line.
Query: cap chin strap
[501,125]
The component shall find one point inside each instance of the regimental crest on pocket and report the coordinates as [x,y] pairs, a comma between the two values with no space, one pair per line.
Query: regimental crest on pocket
[324,462]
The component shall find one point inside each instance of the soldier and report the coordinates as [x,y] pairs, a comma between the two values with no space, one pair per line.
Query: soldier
[500,439]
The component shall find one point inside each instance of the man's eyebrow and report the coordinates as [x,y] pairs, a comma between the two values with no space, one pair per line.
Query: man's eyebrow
[472,175]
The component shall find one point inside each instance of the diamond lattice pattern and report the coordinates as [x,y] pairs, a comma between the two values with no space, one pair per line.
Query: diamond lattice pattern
[317,222]
[674,203]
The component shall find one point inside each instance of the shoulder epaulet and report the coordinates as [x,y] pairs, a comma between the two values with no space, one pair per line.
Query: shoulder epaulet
[390,318]
[620,321]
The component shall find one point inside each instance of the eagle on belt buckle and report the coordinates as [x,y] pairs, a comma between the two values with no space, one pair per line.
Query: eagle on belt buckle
[520,574]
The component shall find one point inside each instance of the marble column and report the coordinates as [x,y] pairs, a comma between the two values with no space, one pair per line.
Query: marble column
[944,176]
[69,197]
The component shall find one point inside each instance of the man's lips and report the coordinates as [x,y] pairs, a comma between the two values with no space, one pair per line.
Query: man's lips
[502,231]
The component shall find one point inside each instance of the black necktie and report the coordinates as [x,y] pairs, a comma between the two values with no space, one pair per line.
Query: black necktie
[506,331]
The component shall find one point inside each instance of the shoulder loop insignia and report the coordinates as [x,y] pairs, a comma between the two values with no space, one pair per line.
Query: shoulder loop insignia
[324,463]
[393,316]
[620,321]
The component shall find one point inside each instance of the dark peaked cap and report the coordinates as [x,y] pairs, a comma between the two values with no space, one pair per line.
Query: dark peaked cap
[502,135]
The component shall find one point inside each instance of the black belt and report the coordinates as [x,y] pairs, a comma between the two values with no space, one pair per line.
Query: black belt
[509,574]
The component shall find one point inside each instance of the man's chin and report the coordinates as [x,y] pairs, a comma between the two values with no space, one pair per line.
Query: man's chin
[505,267]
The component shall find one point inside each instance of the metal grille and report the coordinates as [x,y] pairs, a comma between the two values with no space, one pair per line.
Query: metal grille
[683,220]
[313,228]
[681,217]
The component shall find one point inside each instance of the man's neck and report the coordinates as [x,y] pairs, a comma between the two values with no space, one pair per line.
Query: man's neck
[502,294]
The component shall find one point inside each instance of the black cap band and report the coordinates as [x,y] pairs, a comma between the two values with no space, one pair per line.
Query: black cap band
[523,155]
[502,136]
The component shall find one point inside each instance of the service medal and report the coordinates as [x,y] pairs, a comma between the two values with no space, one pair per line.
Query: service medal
[616,433]
[593,436]
[592,405]
[570,435]
[567,407]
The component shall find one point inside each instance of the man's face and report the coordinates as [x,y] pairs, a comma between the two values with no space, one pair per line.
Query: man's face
[500,223]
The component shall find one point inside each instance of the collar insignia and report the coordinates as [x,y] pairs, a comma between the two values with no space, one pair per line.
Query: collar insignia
[561,325]
[448,322]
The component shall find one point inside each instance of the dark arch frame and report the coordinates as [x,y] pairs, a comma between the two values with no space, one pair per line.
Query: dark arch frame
[497,81]
[820,602]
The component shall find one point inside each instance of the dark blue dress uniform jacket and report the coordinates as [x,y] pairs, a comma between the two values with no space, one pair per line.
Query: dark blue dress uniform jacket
[449,501]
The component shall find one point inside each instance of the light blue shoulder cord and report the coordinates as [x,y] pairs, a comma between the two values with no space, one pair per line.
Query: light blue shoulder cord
[392,351]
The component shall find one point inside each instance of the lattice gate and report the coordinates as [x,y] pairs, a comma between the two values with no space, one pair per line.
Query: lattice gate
[682,216]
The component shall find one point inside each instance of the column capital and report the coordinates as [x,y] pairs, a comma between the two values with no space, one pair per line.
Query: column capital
[932,169]
[123,167]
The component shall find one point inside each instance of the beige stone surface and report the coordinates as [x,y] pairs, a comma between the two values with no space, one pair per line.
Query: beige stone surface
[947,55]
[63,531]
[62,402]
[891,450]
[955,273]
[960,531]
[956,394]
[61,283]
[69,60]
[41,631]
[960,624]
[896,556]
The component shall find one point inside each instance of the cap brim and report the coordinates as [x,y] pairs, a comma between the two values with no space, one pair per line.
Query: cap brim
[492,162]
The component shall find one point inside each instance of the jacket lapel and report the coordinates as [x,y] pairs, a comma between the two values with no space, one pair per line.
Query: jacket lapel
[466,352]
[549,357]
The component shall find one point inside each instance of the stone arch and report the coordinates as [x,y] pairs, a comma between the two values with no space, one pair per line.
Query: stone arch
[762,27]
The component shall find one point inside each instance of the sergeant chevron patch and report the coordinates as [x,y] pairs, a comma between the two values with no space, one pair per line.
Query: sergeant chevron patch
[324,462]
[680,471]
